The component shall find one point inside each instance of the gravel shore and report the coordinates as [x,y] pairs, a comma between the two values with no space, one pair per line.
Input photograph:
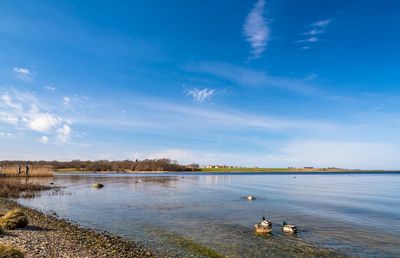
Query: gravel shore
[48,236]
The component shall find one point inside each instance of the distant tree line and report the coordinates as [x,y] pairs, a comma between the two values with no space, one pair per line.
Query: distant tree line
[105,165]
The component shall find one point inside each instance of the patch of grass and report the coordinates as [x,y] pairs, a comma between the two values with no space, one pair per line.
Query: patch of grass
[14,219]
[10,252]
[12,187]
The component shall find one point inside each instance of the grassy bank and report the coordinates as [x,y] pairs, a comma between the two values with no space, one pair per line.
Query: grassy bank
[14,188]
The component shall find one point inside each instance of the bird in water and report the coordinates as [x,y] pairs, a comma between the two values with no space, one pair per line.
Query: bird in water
[288,228]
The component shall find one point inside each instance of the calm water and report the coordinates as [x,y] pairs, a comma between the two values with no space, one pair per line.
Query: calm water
[337,214]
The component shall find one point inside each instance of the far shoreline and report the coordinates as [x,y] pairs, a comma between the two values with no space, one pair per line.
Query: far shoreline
[234,171]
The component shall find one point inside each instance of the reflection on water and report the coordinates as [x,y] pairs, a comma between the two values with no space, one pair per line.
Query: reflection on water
[353,214]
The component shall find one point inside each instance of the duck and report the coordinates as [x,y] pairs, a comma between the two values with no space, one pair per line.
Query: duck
[263,227]
[287,228]
[250,198]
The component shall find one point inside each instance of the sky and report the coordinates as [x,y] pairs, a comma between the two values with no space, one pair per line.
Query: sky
[263,83]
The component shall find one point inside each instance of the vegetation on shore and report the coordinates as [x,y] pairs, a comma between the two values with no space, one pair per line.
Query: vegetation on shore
[12,187]
[14,219]
[19,169]
[105,165]
[9,252]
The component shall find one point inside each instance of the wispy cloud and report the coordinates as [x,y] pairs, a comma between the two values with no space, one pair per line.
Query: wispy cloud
[321,24]
[313,34]
[200,95]
[50,88]
[44,139]
[3,134]
[23,73]
[24,111]
[64,133]
[256,29]
[66,100]
[251,77]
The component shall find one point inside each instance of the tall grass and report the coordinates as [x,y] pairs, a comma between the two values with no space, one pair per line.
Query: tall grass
[34,171]
[12,187]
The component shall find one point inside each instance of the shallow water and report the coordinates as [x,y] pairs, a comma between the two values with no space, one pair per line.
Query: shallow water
[336,214]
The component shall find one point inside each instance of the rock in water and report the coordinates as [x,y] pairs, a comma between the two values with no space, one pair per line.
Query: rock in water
[98,185]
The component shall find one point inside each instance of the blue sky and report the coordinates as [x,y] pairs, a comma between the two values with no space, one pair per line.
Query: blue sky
[255,83]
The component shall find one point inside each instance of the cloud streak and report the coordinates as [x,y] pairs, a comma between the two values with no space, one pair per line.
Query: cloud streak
[200,95]
[251,78]
[23,74]
[313,35]
[256,29]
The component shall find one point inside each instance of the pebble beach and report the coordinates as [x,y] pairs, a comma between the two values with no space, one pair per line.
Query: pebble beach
[50,236]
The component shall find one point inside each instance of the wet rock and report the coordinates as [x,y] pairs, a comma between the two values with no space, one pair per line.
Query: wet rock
[98,185]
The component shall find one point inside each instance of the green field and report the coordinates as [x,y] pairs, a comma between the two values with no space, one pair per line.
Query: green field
[248,170]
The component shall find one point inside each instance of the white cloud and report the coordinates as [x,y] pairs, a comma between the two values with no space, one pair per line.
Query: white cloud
[25,112]
[42,122]
[66,100]
[3,134]
[23,74]
[321,23]
[256,29]
[200,95]
[8,118]
[64,133]
[44,139]
[50,88]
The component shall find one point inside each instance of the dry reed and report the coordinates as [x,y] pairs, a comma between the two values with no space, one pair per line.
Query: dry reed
[12,187]
[34,171]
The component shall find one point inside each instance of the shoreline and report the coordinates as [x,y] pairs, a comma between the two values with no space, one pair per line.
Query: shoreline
[250,171]
[51,236]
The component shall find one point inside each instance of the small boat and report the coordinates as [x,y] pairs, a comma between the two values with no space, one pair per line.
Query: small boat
[287,228]
[250,198]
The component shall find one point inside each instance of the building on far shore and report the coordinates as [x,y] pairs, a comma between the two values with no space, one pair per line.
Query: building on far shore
[219,166]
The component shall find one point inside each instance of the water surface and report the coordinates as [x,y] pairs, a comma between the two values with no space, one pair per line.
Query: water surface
[337,214]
